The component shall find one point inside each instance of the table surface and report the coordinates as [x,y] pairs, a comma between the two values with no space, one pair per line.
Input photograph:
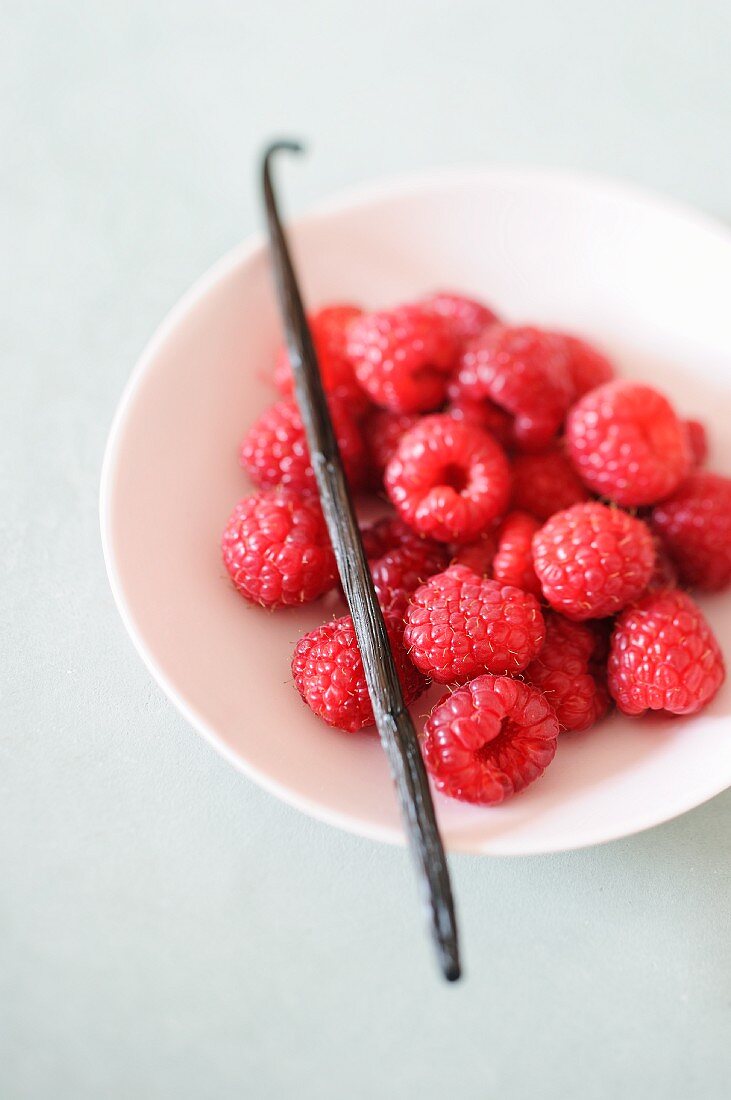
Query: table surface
[166,928]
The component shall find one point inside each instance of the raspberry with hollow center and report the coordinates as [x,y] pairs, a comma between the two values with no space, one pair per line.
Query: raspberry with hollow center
[448,480]
[274,450]
[459,624]
[513,562]
[695,527]
[525,371]
[329,328]
[328,671]
[277,550]
[483,414]
[664,656]
[545,482]
[627,443]
[564,671]
[466,317]
[592,560]
[403,358]
[489,740]
[587,366]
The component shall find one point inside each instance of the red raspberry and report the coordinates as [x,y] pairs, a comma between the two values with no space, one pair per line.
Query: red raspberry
[483,414]
[403,358]
[398,573]
[466,317]
[525,371]
[328,671]
[592,560]
[274,450]
[489,739]
[383,431]
[588,367]
[477,556]
[627,443]
[563,670]
[329,327]
[277,550]
[695,527]
[448,480]
[664,656]
[664,573]
[513,562]
[546,482]
[697,441]
[388,533]
[459,624]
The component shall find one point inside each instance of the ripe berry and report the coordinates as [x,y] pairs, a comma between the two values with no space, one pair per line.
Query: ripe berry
[513,562]
[403,358]
[695,527]
[483,414]
[328,671]
[592,560]
[563,670]
[459,624]
[274,450]
[466,317]
[382,432]
[489,739]
[398,573]
[525,371]
[276,548]
[388,533]
[697,441]
[545,482]
[329,327]
[627,443]
[477,556]
[664,656]
[587,366]
[448,480]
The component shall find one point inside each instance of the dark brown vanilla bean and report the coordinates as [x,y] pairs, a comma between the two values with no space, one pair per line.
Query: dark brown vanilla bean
[395,727]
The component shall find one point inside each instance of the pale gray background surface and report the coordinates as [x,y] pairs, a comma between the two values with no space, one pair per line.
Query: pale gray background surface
[166,929]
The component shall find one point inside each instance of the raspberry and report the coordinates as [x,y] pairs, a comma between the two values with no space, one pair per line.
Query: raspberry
[477,556]
[328,671]
[695,527]
[545,482]
[664,573]
[697,441]
[329,327]
[489,739]
[382,431]
[587,366]
[591,560]
[459,624]
[627,443]
[277,550]
[664,656]
[403,357]
[483,414]
[274,450]
[388,533]
[448,480]
[513,562]
[466,317]
[525,371]
[399,572]
[563,670]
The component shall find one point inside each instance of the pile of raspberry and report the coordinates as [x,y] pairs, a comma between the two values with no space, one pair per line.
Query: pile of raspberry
[545,522]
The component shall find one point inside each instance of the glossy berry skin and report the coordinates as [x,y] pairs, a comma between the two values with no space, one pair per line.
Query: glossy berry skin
[398,573]
[627,443]
[592,560]
[588,367]
[489,739]
[274,450]
[329,328]
[525,371]
[382,431]
[459,625]
[466,317]
[403,358]
[697,441]
[448,480]
[477,556]
[695,527]
[664,656]
[513,561]
[328,672]
[546,482]
[277,550]
[483,414]
[564,671]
